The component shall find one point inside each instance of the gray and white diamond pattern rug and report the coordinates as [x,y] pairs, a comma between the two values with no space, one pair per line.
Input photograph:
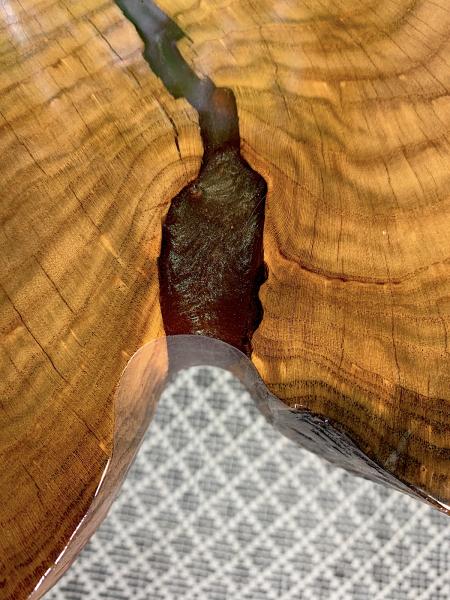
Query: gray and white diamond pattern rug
[219,506]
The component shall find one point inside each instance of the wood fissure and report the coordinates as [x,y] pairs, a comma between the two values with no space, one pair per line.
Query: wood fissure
[211,264]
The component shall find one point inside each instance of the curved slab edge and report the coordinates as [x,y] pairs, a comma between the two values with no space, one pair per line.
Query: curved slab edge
[142,382]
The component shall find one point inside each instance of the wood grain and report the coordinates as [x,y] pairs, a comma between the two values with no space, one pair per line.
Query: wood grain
[343,108]
[89,165]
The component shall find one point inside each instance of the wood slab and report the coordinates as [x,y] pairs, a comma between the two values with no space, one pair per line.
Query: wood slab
[342,110]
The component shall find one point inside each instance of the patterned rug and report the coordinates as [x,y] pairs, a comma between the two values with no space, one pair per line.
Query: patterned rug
[219,506]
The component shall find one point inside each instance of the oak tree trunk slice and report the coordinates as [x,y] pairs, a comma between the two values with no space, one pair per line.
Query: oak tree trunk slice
[343,109]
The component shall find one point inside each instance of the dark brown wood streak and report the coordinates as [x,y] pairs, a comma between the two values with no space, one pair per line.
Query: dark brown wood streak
[211,264]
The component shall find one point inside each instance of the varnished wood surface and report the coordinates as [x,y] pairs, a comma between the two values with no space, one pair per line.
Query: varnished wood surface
[92,150]
[343,108]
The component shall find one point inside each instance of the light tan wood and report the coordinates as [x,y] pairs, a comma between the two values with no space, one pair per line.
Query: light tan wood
[89,165]
[344,109]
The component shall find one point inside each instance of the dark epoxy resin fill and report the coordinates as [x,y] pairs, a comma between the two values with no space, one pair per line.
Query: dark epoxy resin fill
[211,263]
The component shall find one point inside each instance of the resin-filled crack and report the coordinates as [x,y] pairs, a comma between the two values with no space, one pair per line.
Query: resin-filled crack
[211,264]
